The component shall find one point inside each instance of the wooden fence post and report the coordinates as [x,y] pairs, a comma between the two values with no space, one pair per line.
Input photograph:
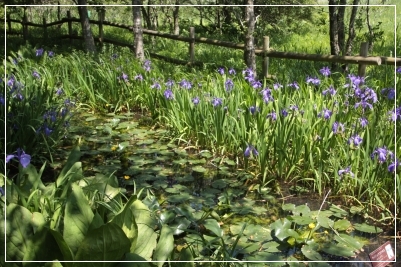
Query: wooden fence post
[266,44]
[364,53]
[192,45]
[9,22]
[25,27]
[101,14]
[44,29]
[69,25]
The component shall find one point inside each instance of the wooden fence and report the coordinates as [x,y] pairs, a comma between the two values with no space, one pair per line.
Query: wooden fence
[266,52]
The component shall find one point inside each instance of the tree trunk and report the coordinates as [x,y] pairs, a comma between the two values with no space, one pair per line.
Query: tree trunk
[175,17]
[137,29]
[86,27]
[341,26]
[351,29]
[334,46]
[249,52]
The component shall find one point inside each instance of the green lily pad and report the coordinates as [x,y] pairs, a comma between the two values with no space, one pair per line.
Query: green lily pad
[213,226]
[338,250]
[363,227]
[302,210]
[145,142]
[91,119]
[206,154]
[349,241]
[196,161]
[338,212]
[356,210]
[180,152]
[199,169]
[310,253]
[221,183]
[301,220]
[179,161]
[179,198]
[342,225]
[186,178]
[288,206]
[325,221]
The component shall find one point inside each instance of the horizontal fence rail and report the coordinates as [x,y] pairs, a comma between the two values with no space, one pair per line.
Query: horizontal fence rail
[266,52]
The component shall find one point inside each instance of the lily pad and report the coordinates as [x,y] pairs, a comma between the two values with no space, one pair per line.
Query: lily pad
[310,253]
[342,225]
[145,142]
[92,118]
[363,227]
[199,169]
[179,198]
[221,183]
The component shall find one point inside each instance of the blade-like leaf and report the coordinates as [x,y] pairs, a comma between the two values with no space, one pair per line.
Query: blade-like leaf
[73,158]
[164,246]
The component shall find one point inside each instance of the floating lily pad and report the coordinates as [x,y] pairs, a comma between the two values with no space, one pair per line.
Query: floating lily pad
[179,161]
[91,118]
[180,152]
[172,190]
[342,225]
[221,183]
[196,161]
[206,154]
[145,142]
[310,253]
[199,169]
[178,198]
[229,162]
[338,250]
[303,210]
[349,241]
[363,227]
[186,178]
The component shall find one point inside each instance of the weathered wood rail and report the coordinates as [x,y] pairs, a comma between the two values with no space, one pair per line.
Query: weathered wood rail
[266,52]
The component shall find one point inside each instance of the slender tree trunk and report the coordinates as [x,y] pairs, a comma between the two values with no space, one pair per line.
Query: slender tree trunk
[137,29]
[371,34]
[351,29]
[341,25]
[176,17]
[86,27]
[249,52]
[334,46]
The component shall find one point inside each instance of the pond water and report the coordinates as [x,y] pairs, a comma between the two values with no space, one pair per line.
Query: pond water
[140,156]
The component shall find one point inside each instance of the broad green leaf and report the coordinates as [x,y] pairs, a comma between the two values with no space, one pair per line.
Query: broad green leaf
[38,248]
[19,231]
[348,241]
[179,225]
[213,226]
[126,220]
[199,169]
[77,218]
[146,223]
[37,221]
[363,227]
[325,221]
[65,250]
[342,225]
[338,250]
[288,206]
[302,210]
[185,255]
[134,260]
[106,243]
[280,228]
[2,240]
[338,212]
[164,246]
[90,119]
[311,253]
[301,220]
[33,179]
[96,222]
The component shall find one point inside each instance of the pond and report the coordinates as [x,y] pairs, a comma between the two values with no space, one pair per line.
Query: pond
[180,178]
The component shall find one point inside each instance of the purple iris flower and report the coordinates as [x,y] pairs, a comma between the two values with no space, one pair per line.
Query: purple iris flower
[229,85]
[390,92]
[250,150]
[399,70]
[393,166]
[169,83]
[138,77]
[39,52]
[156,85]
[364,122]
[355,139]
[48,130]
[277,86]
[253,109]
[50,54]
[168,94]
[395,114]
[325,71]
[146,65]
[2,100]
[220,70]
[346,171]
[294,85]
[337,127]
[21,156]
[267,95]
[382,153]
[313,80]
[272,116]
[125,77]
[330,91]
[232,71]
[356,80]
[256,84]
[195,100]
[249,75]
[186,84]
[36,75]
[59,92]
[326,113]
[216,101]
